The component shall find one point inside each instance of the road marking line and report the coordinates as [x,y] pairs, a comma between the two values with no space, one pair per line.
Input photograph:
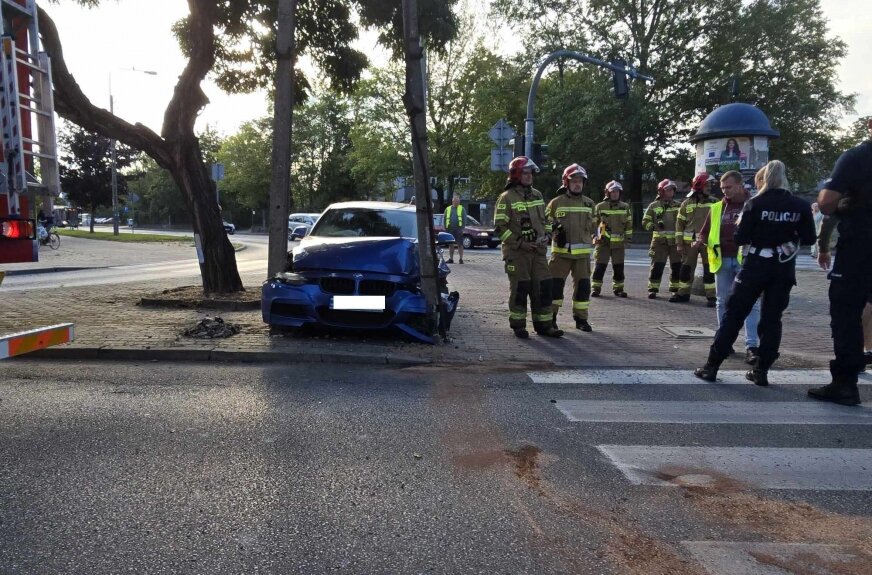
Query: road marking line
[819,469]
[681,377]
[690,412]
[35,339]
[735,557]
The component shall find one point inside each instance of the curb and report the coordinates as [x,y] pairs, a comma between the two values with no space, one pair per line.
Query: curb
[51,270]
[204,303]
[224,356]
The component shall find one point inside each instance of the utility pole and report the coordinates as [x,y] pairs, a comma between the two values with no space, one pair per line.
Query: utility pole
[280,179]
[415,101]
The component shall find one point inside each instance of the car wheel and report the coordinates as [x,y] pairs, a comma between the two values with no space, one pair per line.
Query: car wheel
[467,242]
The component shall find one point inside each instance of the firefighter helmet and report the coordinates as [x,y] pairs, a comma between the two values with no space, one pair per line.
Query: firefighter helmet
[700,180]
[613,185]
[518,165]
[571,171]
[667,183]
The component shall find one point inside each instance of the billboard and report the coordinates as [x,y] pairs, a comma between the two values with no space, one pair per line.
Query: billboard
[742,153]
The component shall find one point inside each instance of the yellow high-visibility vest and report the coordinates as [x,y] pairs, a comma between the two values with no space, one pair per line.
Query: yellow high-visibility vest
[447,223]
[713,244]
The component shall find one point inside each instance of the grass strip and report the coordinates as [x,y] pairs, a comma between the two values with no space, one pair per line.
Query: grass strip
[123,237]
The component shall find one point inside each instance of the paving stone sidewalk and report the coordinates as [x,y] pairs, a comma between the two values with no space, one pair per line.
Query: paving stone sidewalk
[110,323]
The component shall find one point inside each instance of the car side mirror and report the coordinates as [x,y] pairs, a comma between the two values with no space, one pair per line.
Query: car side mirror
[444,239]
[299,232]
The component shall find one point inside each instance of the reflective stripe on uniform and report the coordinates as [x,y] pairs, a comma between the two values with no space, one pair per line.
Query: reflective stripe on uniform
[557,302]
[571,251]
[506,235]
[581,305]
[543,317]
[522,206]
[517,315]
[501,218]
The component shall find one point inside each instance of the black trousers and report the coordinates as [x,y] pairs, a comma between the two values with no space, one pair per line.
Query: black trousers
[758,277]
[850,286]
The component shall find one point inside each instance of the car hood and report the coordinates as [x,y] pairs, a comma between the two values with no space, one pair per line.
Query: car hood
[397,256]
[481,228]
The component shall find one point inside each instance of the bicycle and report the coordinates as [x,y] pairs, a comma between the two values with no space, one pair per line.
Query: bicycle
[49,237]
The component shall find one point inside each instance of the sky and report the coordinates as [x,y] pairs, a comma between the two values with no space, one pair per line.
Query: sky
[119,40]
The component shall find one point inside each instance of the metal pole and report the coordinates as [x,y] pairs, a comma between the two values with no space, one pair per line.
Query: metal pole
[114,169]
[529,123]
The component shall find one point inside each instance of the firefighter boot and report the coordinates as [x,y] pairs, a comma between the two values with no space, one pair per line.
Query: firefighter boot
[521,333]
[760,374]
[547,329]
[843,390]
[709,371]
[679,298]
[554,321]
[595,291]
[582,324]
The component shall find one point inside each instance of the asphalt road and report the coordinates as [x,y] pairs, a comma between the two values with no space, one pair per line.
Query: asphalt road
[201,468]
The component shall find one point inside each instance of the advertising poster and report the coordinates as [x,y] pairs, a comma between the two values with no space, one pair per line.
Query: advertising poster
[741,153]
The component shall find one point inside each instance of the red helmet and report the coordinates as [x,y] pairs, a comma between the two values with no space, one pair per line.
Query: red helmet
[698,183]
[518,165]
[573,170]
[614,185]
[667,183]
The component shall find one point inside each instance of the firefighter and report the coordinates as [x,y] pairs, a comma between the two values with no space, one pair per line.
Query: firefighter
[659,218]
[691,216]
[614,229]
[520,221]
[572,228]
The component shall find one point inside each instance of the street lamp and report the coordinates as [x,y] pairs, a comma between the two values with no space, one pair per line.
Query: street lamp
[112,150]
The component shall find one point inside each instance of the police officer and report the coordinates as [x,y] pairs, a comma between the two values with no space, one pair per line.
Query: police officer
[773,224]
[659,219]
[691,216]
[520,222]
[570,214]
[848,194]
[614,229]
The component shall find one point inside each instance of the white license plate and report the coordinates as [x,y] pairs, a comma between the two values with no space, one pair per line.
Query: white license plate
[358,302]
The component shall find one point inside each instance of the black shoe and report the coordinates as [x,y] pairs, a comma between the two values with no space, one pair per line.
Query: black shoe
[595,293]
[758,377]
[673,290]
[751,355]
[841,393]
[582,325]
[451,261]
[621,293]
[461,261]
[712,302]
[679,298]
[707,372]
[550,331]
[522,333]
[652,295]
[868,358]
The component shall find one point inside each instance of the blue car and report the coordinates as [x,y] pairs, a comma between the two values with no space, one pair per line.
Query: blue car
[357,269]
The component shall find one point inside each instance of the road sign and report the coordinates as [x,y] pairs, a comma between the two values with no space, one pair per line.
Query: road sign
[217,172]
[132,198]
[501,133]
[500,158]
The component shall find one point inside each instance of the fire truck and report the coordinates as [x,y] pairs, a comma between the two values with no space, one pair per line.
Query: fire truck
[29,178]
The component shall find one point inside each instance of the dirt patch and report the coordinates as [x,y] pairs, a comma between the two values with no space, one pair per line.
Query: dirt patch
[195,297]
[634,553]
[696,479]
[479,460]
[527,465]
[810,564]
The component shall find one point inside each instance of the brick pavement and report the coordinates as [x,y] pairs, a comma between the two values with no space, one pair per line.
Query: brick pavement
[109,323]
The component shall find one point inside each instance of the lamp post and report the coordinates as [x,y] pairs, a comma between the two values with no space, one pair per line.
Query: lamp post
[112,150]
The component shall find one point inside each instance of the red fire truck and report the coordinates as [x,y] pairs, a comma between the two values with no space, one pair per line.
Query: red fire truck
[29,179]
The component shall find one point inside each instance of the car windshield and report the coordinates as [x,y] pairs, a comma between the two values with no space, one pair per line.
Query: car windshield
[471,221]
[364,222]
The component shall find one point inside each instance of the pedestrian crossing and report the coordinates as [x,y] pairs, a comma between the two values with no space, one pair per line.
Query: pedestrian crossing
[803,262]
[777,467]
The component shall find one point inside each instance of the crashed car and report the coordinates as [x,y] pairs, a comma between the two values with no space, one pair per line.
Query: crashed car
[358,269]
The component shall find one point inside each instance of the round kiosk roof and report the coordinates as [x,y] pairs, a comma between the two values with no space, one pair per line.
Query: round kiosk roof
[734,120]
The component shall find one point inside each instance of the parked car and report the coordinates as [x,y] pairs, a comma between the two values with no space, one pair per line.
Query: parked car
[229,228]
[357,269]
[474,233]
[305,221]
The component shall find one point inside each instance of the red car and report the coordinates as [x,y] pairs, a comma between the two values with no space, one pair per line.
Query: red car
[474,233]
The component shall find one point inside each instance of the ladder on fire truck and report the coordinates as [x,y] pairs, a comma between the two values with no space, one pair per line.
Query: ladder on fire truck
[26,88]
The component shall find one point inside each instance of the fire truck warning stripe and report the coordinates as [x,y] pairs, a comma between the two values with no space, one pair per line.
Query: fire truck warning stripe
[35,339]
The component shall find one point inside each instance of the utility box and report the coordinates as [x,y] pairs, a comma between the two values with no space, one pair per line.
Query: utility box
[733,137]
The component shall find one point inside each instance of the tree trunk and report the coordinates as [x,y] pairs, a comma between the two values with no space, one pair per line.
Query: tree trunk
[177,149]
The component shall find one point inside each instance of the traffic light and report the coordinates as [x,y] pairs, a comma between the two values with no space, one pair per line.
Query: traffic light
[518,145]
[540,156]
[619,79]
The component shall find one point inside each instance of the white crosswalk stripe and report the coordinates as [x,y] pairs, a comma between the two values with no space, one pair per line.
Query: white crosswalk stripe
[803,468]
[678,377]
[741,557]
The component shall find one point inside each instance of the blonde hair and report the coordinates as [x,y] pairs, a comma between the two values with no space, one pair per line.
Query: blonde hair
[773,177]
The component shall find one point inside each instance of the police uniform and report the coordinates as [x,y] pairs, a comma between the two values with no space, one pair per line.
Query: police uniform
[691,216]
[520,222]
[772,226]
[572,221]
[614,227]
[660,219]
[851,276]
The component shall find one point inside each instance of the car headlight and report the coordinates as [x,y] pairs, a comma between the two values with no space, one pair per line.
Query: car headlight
[483,234]
[291,278]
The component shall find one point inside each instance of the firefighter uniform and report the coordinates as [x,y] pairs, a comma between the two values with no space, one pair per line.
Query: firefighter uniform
[614,222]
[572,221]
[691,216]
[520,222]
[660,217]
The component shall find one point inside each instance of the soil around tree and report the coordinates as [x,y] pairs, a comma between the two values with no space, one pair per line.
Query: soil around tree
[195,297]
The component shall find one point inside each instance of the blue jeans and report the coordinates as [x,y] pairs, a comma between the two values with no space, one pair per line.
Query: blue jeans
[724,284]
